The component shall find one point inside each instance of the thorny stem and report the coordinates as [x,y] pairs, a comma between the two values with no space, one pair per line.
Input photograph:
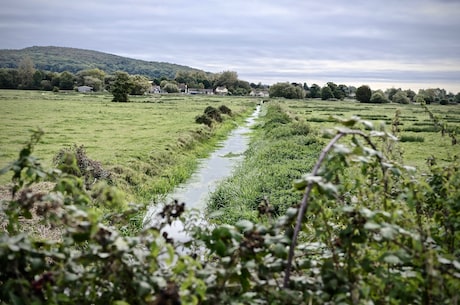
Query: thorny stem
[304,206]
[305,199]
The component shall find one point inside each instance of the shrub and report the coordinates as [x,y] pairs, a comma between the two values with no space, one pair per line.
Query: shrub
[225,110]
[213,113]
[74,161]
[363,94]
[367,230]
[203,119]
[408,138]
[378,98]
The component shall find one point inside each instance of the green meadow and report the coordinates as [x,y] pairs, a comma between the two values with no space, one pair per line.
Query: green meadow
[153,142]
[151,137]
[291,133]
[419,138]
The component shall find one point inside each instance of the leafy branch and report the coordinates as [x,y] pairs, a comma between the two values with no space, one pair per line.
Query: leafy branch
[313,180]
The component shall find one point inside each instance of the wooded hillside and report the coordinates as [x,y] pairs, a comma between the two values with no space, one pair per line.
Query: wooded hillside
[59,59]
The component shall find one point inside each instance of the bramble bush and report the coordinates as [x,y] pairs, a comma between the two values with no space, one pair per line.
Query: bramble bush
[211,115]
[367,231]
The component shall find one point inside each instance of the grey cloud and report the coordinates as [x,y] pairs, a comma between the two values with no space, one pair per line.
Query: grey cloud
[285,38]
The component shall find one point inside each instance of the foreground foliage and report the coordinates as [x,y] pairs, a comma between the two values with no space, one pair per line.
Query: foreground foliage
[367,231]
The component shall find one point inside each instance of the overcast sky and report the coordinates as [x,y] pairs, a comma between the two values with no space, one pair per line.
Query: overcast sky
[392,43]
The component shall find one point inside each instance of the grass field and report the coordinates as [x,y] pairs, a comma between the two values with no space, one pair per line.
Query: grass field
[419,139]
[116,134]
[151,142]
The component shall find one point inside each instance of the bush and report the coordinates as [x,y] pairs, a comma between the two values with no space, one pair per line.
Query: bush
[378,98]
[74,161]
[203,119]
[406,138]
[225,110]
[213,113]
[367,230]
[363,94]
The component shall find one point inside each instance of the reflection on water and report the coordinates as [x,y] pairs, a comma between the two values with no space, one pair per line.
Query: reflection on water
[210,172]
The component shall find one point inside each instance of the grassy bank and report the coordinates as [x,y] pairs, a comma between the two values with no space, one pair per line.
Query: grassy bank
[282,149]
[150,144]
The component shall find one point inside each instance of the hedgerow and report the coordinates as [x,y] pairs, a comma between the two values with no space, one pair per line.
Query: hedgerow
[383,235]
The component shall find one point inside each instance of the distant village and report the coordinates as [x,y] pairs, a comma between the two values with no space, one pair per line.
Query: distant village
[184,89]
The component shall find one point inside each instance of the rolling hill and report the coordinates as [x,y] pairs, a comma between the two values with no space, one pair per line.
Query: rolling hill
[59,59]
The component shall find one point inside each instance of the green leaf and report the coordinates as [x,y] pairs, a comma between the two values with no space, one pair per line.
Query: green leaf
[456,264]
[371,226]
[368,124]
[220,248]
[121,244]
[392,259]
[387,232]
[244,225]
[71,277]
[328,188]
[291,212]
[300,184]
[280,251]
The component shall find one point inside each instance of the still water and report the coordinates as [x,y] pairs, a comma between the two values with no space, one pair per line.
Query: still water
[218,166]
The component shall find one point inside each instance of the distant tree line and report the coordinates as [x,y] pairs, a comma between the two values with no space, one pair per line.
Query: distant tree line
[26,76]
[363,94]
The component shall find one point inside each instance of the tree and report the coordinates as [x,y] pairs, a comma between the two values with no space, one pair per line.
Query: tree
[378,97]
[333,87]
[170,87]
[37,79]
[286,90]
[342,91]
[228,79]
[121,87]
[242,88]
[92,77]
[457,98]
[93,82]
[140,85]
[66,80]
[9,79]
[410,94]
[364,94]
[419,98]
[391,92]
[26,72]
[315,91]
[400,97]
[326,93]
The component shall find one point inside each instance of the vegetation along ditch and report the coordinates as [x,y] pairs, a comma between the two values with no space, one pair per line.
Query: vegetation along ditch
[194,193]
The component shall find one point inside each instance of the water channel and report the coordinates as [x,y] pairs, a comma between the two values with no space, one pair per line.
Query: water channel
[218,166]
